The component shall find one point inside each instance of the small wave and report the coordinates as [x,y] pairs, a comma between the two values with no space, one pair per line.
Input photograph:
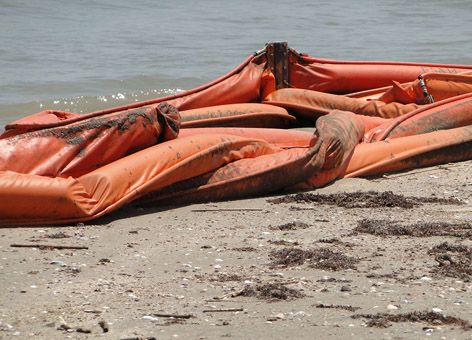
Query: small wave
[81,104]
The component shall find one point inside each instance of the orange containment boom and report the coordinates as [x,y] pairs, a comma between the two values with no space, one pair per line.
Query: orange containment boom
[312,104]
[241,115]
[83,146]
[234,137]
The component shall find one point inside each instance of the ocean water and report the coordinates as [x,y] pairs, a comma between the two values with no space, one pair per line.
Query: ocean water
[82,55]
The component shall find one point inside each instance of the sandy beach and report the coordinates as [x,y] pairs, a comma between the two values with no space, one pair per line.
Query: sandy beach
[390,262]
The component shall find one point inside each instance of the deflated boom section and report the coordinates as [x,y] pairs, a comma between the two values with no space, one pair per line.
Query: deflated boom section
[231,138]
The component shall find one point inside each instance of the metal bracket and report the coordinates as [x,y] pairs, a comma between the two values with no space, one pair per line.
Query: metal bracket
[277,60]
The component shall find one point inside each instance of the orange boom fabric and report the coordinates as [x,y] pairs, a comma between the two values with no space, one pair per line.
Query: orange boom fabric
[438,147]
[325,153]
[231,138]
[81,147]
[439,85]
[241,115]
[32,199]
[312,104]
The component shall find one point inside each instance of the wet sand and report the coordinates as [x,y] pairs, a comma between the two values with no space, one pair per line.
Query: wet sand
[296,267]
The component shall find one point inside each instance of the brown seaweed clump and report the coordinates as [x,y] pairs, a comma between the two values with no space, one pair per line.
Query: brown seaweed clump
[384,320]
[343,307]
[290,226]
[321,258]
[368,199]
[454,260]
[271,291]
[423,229]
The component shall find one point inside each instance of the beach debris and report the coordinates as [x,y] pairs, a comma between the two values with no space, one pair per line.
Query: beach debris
[65,326]
[149,318]
[420,229]
[224,277]
[454,260]
[276,317]
[320,258]
[83,330]
[58,235]
[104,261]
[344,307]
[244,249]
[223,310]
[284,242]
[47,246]
[290,226]
[368,199]
[175,316]
[270,291]
[104,326]
[383,320]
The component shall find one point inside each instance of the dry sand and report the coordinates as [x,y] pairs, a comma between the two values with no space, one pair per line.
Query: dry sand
[250,272]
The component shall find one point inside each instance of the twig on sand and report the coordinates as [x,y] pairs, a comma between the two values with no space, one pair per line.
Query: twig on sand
[175,316]
[227,209]
[301,209]
[222,310]
[226,296]
[225,300]
[46,246]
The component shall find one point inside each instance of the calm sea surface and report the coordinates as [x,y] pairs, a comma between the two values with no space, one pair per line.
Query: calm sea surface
[82,55]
